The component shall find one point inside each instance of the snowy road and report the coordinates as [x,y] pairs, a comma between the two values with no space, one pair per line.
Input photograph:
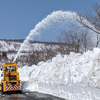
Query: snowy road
[28,96]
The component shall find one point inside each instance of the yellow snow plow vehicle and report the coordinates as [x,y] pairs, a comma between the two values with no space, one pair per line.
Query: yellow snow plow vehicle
[10,81]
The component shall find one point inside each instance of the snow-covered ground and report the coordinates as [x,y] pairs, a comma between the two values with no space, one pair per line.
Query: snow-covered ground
[73,76]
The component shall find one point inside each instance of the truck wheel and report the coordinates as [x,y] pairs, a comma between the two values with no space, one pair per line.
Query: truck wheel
[2,88]
[20,91]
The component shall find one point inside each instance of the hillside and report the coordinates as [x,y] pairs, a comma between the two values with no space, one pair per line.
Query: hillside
[33,52]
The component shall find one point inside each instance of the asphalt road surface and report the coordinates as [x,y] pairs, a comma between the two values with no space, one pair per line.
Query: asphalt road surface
[28,96]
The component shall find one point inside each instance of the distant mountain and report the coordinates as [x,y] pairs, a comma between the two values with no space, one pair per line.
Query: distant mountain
[31,42]
[13,40]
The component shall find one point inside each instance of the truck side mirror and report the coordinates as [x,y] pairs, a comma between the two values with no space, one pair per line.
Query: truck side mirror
[1,69]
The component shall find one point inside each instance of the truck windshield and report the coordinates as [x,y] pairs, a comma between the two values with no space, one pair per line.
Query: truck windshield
[10,68]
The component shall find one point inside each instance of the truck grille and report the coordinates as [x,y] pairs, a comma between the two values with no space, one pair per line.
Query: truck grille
[12,77]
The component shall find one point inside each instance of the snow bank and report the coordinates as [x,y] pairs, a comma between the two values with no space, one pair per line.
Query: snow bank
[72,76]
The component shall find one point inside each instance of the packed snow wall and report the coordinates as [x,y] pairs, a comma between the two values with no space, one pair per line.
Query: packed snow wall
[74,76]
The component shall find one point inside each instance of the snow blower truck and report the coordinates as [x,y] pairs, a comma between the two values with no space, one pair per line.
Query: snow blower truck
[10,81]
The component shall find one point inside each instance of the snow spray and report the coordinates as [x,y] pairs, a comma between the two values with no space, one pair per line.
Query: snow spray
[54,23]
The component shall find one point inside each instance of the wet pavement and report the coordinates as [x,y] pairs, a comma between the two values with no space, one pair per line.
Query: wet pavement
[28,96]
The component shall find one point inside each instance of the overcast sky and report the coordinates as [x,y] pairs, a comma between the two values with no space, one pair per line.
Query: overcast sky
[18,17]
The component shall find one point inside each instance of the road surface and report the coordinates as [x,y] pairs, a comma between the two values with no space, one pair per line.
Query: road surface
[28,96]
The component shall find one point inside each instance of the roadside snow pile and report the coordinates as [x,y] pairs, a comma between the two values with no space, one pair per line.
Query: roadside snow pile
[73,76]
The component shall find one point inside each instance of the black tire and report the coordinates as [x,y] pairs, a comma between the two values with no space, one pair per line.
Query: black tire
[20,91]
[2,89]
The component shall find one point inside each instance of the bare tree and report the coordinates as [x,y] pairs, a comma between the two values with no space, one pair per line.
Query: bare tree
[75,40]
[93,21]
